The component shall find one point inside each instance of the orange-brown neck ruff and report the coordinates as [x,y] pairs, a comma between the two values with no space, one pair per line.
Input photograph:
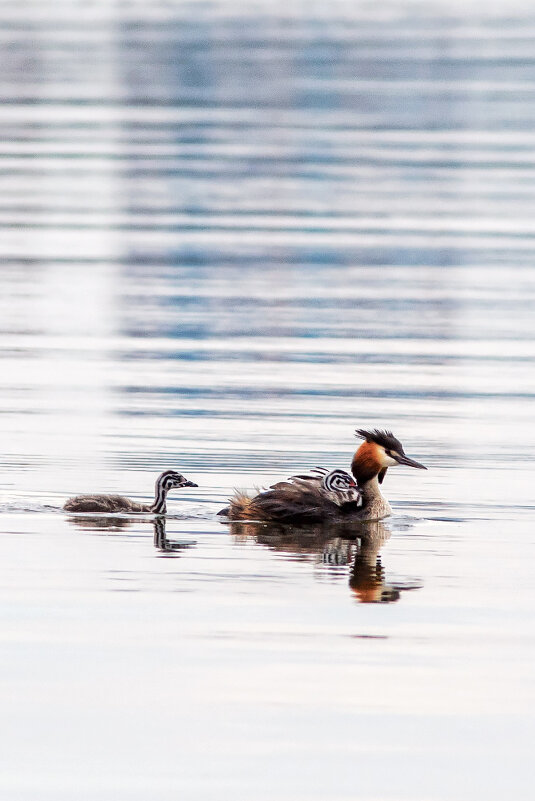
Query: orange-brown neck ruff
[366,463]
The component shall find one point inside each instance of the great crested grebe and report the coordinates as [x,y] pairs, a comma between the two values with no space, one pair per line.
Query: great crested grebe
[118,503]
[312,498]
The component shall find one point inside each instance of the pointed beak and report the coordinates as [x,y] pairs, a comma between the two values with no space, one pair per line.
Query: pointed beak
[402,459]
[189,484]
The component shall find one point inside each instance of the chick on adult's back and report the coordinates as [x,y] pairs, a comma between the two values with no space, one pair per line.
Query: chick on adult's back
[300,499]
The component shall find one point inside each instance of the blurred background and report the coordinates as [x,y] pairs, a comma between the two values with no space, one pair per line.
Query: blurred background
[230,234]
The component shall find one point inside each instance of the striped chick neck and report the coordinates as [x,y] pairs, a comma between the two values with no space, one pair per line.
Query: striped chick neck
[162,487]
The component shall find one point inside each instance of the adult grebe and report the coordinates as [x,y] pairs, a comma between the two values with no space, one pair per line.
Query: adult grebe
[308,498]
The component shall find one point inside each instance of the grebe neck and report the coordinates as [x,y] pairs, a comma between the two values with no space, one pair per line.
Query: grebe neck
[159,506]
[374,504]
[370,489]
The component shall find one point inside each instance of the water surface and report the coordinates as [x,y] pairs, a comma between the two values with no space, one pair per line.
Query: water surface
[230,236]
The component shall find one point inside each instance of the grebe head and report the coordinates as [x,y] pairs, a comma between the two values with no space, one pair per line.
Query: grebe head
[379,451]
[170,479]
[338,480]
[341,488]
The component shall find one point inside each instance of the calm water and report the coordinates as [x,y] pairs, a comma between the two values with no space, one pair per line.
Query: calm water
[231,234]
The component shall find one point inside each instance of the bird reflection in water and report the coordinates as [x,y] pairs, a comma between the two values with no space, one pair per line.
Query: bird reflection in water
[100,522]
[115,524]
[352,544]
[165,545]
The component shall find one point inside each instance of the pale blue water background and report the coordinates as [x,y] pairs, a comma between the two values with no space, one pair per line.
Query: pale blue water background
[231,233]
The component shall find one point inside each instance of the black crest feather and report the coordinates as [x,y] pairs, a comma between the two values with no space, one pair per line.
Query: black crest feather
[384,438]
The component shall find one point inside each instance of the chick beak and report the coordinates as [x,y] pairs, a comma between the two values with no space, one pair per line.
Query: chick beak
[189,484]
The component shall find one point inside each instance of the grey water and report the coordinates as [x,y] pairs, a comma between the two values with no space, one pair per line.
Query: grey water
[230,234]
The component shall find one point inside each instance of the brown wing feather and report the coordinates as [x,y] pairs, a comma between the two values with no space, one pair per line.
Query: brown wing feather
[296,500]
